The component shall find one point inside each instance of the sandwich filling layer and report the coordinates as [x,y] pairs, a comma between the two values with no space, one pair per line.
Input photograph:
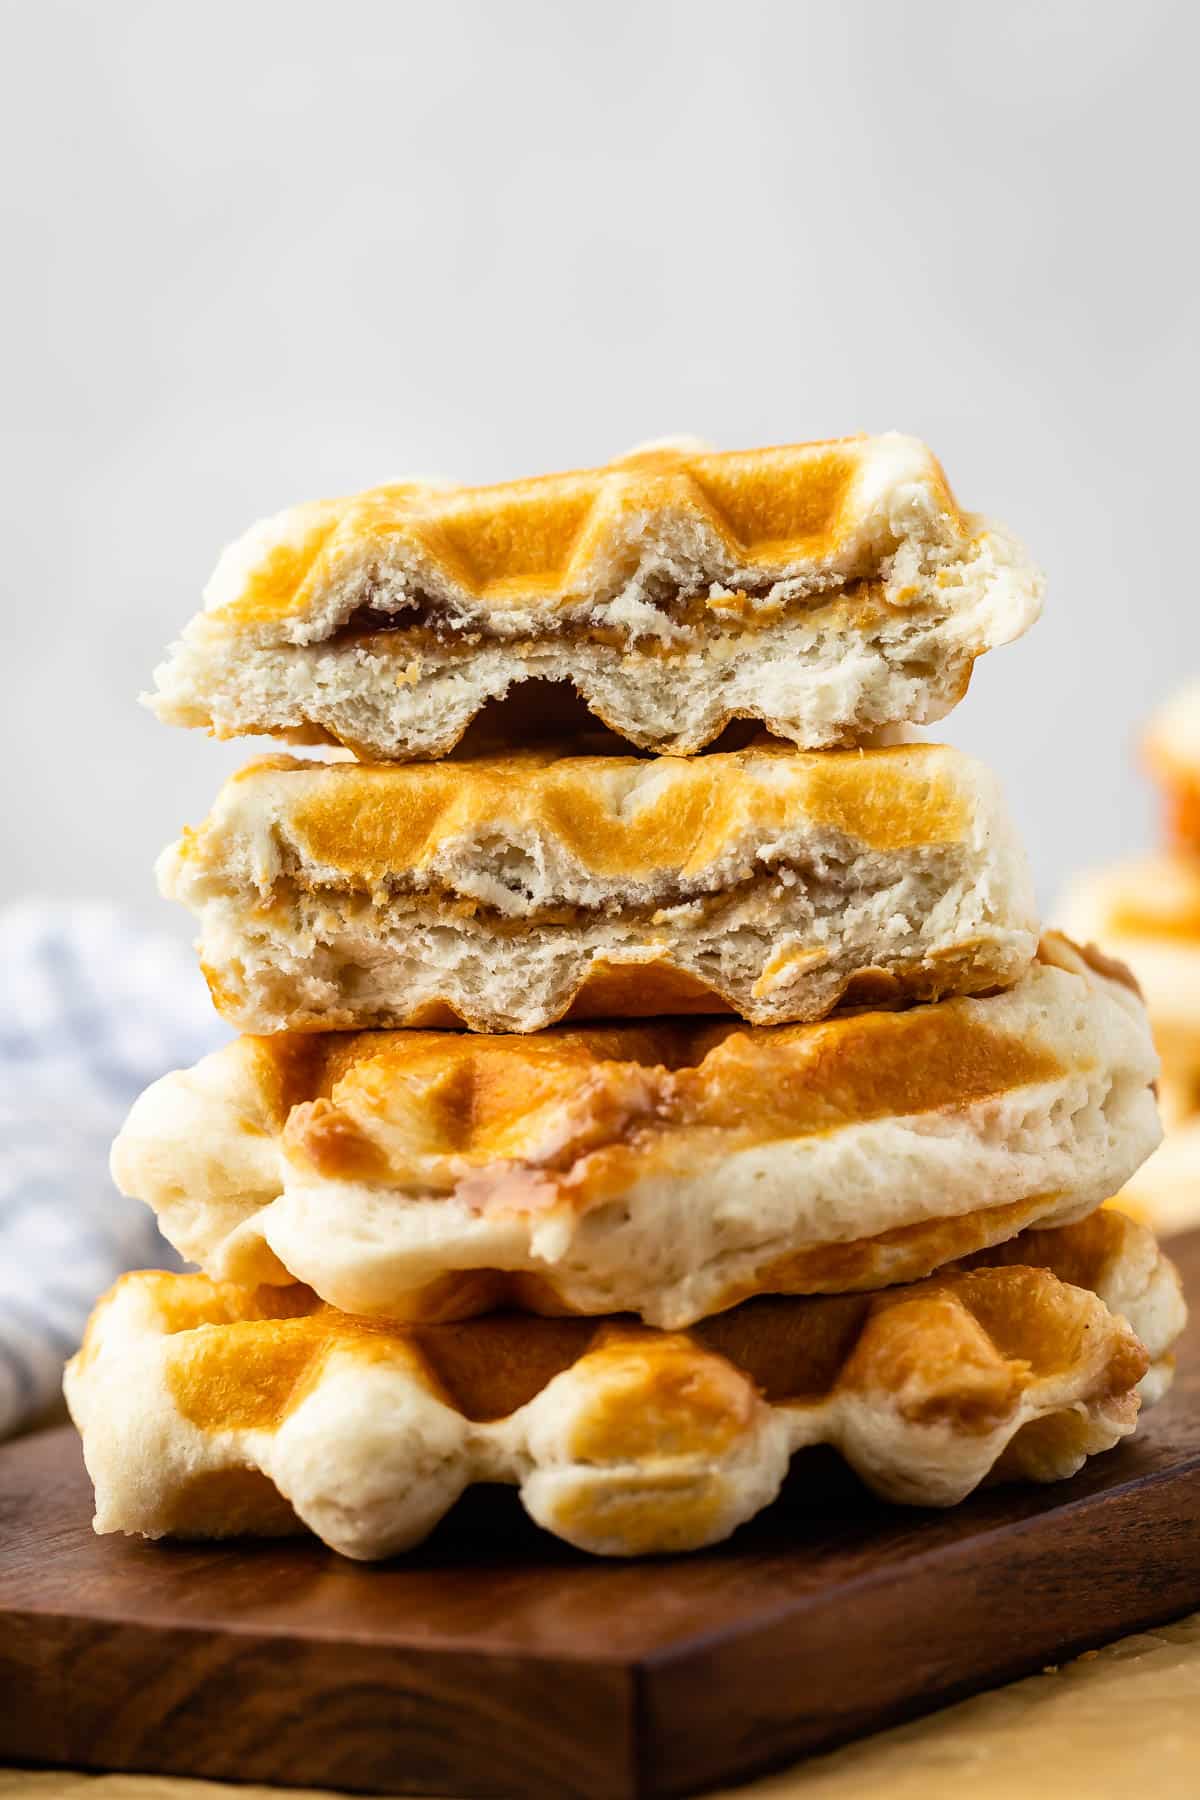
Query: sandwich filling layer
[669,1169]
[508,892]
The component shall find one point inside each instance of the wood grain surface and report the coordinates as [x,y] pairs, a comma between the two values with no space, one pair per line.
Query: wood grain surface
[1121,1723]
[499,1662]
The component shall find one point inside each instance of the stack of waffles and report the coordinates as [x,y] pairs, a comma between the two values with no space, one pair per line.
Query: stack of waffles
[1148,910]
[617,1118]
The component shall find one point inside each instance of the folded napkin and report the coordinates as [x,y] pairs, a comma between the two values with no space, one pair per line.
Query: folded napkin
[95,1008]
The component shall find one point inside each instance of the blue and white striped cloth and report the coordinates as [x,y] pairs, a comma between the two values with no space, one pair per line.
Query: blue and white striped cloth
[94,1009]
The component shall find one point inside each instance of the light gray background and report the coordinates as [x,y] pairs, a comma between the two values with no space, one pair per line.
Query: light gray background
[260,252]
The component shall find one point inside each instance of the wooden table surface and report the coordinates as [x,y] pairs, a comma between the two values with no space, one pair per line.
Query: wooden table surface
[1121,1723]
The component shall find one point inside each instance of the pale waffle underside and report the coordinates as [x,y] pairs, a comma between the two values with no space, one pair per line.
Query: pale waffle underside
[211,1411]
[826,589]
[506,892]
[667,1169]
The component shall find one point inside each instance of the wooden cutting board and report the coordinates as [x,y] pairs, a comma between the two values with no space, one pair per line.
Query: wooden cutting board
[498,1662]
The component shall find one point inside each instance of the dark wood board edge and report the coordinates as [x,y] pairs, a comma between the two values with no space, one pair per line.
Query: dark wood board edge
[233,1706]
[1068,1582]
[770,1656]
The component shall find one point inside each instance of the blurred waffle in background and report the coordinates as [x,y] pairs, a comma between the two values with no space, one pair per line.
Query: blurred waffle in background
[1146,912]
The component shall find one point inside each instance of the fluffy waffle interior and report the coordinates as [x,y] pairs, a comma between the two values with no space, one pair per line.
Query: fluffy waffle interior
[208,1410]
[828,589]
[508,891]
[669,1169]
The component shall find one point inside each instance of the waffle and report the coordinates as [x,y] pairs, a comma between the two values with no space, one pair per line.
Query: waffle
[209,1411]
[670,1170]
[1148,914]
[1172,747]
[1165,1191]
[826,589]
[509,891]
[1122,1265]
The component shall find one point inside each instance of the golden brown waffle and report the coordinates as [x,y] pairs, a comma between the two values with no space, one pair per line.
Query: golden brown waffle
[1172,749]
[207,1410]
[827,589]
[1122,1266]
[668,1169]
[508,891]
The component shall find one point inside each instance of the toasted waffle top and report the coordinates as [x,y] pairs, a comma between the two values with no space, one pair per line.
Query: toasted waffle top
[698,823]
[751,516]
[622,1439]
[826,590]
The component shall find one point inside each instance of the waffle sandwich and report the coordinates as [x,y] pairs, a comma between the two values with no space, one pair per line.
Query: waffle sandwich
[506,892]
[668,1170]
[608,1244]
[210,1410]
[825,589]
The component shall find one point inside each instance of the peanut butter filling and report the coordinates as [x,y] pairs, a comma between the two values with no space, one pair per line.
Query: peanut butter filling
[424,622]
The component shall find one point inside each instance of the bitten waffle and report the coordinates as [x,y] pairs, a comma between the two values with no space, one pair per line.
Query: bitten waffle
[669,1170]
[826,589]
[210,1411]
[505,892]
